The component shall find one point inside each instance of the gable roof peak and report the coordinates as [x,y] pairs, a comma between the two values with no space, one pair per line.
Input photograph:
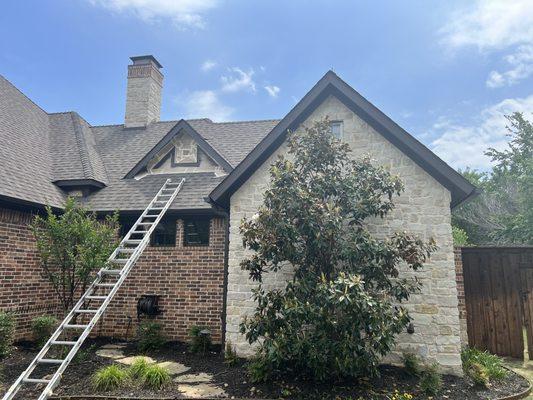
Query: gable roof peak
[332,85]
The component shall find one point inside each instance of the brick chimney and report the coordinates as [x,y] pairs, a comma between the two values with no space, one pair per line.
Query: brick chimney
[143,96]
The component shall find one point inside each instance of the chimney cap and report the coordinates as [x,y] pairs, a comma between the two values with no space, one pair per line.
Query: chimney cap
[145,60]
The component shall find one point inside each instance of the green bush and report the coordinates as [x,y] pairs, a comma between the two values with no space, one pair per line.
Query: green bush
[7,333]
[342,311]
[109,378]
[42,328]
[431,381]
[411,364]
[150,336]
[155,376]
[200,339]
[230,356]
[478,374]
[481,366]
[137,370]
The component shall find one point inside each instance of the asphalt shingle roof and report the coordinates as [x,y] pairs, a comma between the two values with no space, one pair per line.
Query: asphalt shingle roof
[38,149]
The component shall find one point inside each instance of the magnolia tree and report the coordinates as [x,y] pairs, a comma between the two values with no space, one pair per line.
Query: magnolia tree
[342,310]
[72,246]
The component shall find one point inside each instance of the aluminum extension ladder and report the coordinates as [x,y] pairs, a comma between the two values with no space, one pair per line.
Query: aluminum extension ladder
[108,280]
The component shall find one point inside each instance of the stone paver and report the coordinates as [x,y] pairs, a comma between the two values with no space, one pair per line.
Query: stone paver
[174,368]
[202,377]
[202,390]
[118,346]
[131,360]
[110,353]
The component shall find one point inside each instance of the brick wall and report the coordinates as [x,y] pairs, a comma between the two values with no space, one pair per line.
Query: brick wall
[461,294]
[22,289]
[189,281]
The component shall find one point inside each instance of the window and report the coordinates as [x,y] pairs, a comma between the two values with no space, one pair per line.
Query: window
[196,232]
[164,233]
[336,129]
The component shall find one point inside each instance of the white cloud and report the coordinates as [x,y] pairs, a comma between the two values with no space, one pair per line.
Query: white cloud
[464,145]
[521,67]
[206,104]
[490,24]
[208,65]
[272,90]
[184,13]
[238,80]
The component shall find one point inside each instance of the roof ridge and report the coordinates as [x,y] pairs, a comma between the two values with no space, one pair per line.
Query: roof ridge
[249,120]
[83,151]
[22,93]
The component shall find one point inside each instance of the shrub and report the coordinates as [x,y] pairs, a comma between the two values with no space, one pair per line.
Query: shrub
[150,336]
[342,311]
[431,381]
[109,378]
[480,365]
[200,339]
[155,376]
[137,370]
[230,356]
[7,333]
[411,364]
[42,328]
[478,374]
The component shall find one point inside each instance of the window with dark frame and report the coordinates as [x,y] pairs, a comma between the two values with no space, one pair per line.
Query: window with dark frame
[196,232]
[164,234]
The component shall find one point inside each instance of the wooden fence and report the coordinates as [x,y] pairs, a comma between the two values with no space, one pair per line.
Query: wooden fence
[498,285]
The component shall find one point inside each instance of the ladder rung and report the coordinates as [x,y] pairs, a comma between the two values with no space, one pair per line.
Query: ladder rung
[132,241]
[86,311]
[68,326]
[34,380]
[145,223]
[96,297]
[138,232]
[112,271]
[126,250]
[156,208]
[105,284]
[49,361]
[64,342]
[118,261]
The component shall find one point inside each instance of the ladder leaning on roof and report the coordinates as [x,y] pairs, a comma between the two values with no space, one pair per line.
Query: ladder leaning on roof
[123,259]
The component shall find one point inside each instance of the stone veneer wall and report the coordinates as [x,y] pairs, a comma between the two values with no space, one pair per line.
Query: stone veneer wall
[423,209]
[23,291]
[190,281]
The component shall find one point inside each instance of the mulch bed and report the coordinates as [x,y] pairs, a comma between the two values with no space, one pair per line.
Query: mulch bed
[77,380]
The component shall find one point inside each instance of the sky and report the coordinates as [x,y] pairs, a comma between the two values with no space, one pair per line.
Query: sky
[446,71]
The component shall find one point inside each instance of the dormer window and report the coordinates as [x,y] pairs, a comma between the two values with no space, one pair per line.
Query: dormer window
[336,129]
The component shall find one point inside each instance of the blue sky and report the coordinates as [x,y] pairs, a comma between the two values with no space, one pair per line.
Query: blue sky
[446,71]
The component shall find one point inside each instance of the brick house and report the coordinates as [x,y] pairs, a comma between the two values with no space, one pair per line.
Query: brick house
[193,260]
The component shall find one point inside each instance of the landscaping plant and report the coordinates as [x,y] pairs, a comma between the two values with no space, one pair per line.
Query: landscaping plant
[42,328]
[109,378]
[482,367]
[341,311]
[411,364]
[431,381]
[7,333]
[72,246]
[155,376]
[200,339]
[230,356]
[137,370]
[150,336]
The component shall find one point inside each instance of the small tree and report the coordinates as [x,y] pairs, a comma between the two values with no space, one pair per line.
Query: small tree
[340,313]
[71,247]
